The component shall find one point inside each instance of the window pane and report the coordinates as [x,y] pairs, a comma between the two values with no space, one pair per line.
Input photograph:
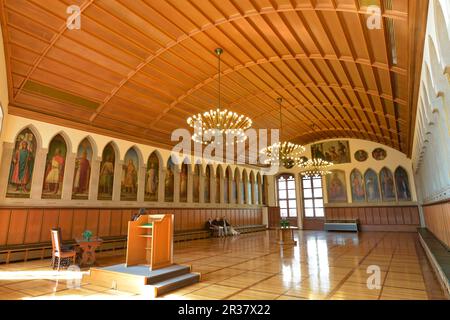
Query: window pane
[307,193]
[320,212]
[282,194]
[281,184]
[318,193]
[318,203]
[292,212]
[283,212]
[308,203]
[291,184]
[283,204]
[292,204]
[291,194]
[317,183]
[307,183]
[309,213]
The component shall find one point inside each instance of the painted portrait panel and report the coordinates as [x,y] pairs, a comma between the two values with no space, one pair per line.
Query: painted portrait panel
[402,184]
[361,155]
[82,173]
[379,154]
[337,191]
[106,175]
[357,184]
[218,186]
[152,178]
[196,183]
[387,185]
[337,151]
[129,181]
[183,182]
[371,184]
[169,182]
[22,165]
[207,183]
[54,168]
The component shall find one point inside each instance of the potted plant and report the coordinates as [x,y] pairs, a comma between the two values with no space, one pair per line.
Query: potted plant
[87,234]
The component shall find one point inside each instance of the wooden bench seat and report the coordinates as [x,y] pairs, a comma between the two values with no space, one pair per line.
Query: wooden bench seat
[439,255]
[341,225]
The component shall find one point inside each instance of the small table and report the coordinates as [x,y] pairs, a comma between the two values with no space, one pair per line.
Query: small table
[87,248]
[285,236]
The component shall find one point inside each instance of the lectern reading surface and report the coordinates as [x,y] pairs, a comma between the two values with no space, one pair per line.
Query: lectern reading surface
[150,241]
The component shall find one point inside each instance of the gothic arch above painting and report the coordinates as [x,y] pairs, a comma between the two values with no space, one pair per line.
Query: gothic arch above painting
[357,186]
[22,165]
[372,188]
[336,187]
[402,184]
[82,173]
[54,168]
[106,175]
[152,178]
[196,183]
[184,181]
[387,185]
[129,179]
[169,182]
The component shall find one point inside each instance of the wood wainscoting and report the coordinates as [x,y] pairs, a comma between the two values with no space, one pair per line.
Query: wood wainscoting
[437,220]
[379,218]
[27,226]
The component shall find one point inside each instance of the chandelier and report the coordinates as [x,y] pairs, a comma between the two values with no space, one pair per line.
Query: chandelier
[316,167]
[283,153]
[218,122]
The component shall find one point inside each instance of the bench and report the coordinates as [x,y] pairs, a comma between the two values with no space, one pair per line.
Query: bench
[187,235]
[438,255]
[341,225]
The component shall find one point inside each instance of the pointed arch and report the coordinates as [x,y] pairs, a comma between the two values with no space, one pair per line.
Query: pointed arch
[132,161]
[207,185]
[196,176]
[235,186]
[184,173]
[169,181]
[250,188]
[387,185]
[402,184]
[372,186]
[26,144]
[66,139]
[244,187]
[86,152]
[218,184]
[110,155]
[357,186]
[258,189]
[226,185]
[152,173]
[55,165]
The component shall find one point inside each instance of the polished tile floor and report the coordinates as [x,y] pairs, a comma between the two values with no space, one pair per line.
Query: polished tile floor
[252,266]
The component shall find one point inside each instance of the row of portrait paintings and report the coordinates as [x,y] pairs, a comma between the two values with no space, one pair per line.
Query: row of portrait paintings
[370,187]
[23,160]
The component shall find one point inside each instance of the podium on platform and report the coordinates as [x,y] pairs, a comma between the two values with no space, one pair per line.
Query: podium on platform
[150,241]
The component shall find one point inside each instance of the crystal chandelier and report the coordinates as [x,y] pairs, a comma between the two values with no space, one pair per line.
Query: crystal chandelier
[316,167]
[283,153]
[218,122]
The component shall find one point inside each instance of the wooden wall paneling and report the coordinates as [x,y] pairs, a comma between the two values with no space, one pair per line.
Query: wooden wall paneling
[398,216]
[176,222]
[49,221]
[5,216]
[92,221]
[198,219]
[415,215]
[116,221]
[65,223]
[383,216]
[104,223]
[407,214]
[124,223]
[79,223]
[17,225]
[376,215]
[34,223]
[391,215]
[369,215]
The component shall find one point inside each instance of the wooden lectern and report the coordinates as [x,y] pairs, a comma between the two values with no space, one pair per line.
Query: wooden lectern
[150,241]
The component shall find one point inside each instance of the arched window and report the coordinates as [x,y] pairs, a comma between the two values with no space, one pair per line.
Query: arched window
[184,181]
[208,184]
[129,181]
[402,184]
[54,168]
[152,178]
[313,197]
[287,199]
[22,165]
[387,185]
[82,174]
[196,183]
[218,184]
[169,182]
[106,177]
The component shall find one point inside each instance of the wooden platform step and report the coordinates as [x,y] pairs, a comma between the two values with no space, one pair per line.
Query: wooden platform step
[140,280]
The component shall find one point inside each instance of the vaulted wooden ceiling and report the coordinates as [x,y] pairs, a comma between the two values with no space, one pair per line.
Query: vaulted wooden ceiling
[138,69]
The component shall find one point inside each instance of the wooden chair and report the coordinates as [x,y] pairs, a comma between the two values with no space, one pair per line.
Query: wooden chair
[58,252]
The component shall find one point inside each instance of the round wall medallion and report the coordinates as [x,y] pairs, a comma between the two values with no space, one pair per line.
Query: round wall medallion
[379,154]
[361,155]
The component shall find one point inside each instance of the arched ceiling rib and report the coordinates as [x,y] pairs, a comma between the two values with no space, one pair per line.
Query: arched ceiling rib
[150,64]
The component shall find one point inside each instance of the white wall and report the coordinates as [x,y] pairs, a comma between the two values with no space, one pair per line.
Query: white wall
[4,100]
[431,151]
